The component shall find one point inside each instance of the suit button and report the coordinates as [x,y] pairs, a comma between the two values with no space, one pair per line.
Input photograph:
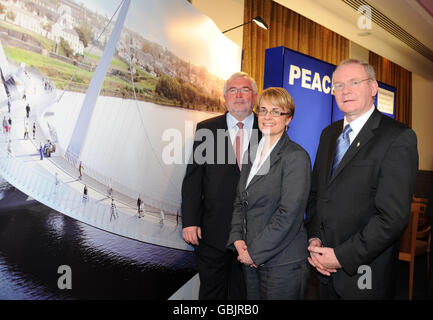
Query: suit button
[246,193]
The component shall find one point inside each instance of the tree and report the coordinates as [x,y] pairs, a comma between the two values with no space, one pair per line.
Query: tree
[10,15]
[47,27]
[151,48]
[66,48]
[85,34]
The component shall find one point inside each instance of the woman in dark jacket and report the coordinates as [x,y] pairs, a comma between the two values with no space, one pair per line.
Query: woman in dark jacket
[267,225]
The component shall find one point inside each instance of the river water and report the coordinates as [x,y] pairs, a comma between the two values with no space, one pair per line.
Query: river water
[36,240]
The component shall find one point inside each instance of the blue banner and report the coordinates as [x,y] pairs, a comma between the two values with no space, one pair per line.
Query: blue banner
[309,81]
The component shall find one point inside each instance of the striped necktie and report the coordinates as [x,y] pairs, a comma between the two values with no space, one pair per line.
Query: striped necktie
[237,146]
[343,143]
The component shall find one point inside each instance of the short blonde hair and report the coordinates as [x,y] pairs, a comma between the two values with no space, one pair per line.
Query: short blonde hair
[278,97]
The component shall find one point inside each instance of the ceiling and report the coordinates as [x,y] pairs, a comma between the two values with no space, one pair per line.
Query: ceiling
[408,40]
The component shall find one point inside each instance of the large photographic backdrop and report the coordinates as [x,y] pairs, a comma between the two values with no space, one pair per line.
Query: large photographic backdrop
[169,55]
[167,73]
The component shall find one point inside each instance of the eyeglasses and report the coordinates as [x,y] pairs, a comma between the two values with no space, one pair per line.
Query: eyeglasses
[236,90]
[339,86]
[274,112]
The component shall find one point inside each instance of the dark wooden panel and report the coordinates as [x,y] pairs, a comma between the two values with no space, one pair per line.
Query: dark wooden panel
[424,183]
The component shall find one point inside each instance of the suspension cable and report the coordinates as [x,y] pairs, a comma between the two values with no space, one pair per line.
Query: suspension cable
[88,53]
[142,122]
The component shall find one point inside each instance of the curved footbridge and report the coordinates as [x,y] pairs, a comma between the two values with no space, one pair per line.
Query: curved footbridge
[54,182]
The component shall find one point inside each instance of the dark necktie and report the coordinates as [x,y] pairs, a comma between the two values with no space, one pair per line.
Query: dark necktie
[237,146]
[343,143]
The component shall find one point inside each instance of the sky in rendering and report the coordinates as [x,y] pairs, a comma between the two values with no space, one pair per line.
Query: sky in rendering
[182,29]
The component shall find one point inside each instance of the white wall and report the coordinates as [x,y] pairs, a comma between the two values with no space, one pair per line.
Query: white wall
[226,14]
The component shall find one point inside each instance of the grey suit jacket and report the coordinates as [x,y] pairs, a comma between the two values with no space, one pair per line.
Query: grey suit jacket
[268,215]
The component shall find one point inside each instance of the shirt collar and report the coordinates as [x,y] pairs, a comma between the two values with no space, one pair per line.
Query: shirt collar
[358,123]
[232,121]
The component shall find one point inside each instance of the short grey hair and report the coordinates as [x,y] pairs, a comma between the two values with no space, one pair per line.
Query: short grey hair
[369,70]
[238,75]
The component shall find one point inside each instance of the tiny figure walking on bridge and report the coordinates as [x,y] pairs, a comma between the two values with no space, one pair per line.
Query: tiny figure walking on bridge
[110,191]
[139,206]
[41,151]
[114,214]
[27,110]
[85,197]
[161,221]
[80,170]
[10,125]
[5,125]
[26,130]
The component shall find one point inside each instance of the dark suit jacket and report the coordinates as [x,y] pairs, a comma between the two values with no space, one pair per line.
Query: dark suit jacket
[209,188]
[362,210]
[269,214]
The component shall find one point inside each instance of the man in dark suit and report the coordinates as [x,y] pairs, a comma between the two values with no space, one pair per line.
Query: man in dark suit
[209,189]
[361,191]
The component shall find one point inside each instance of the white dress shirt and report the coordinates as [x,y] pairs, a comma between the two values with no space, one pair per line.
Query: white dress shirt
[256,165]
[232,126]
[357,124]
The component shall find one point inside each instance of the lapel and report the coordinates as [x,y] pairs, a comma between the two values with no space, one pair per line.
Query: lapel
[269,162]
[332,145]
[230,156]
[223,122]
[256,134]
[246,168]
[366,133]
[254,139]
